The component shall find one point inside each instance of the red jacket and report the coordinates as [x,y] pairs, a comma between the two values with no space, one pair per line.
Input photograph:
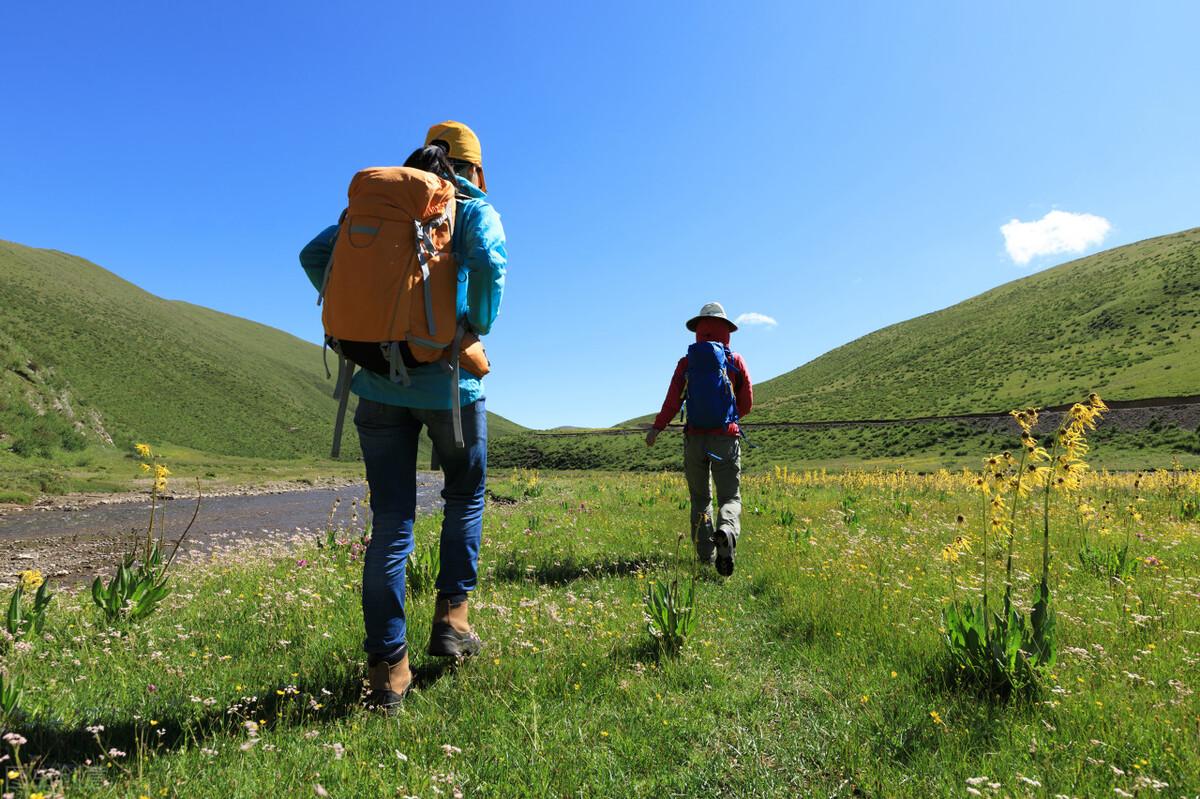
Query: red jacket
[743,391]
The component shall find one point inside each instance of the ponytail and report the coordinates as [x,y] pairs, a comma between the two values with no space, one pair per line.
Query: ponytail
[432,158]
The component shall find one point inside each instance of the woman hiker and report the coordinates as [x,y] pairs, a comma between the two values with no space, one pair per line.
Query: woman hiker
[715,384]
[389,419]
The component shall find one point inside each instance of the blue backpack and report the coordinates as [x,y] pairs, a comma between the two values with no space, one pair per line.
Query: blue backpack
[711,403]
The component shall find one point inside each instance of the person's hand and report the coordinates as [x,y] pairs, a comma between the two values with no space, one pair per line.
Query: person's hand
[651,436]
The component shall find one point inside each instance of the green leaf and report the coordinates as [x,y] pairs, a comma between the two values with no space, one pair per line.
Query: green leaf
[14,612]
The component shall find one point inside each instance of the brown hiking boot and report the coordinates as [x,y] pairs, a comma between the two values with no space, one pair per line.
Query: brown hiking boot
[452,636]
[389,682]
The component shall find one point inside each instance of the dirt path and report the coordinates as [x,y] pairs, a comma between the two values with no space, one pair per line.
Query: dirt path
[81,536]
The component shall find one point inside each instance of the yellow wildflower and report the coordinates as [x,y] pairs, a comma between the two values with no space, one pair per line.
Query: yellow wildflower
[31,579]
[161,473]
[1027,419]
[143,450]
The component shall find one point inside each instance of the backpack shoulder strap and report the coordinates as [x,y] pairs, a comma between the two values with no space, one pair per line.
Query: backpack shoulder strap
[329,263]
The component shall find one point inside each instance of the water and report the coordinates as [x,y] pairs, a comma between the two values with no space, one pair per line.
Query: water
[75,543]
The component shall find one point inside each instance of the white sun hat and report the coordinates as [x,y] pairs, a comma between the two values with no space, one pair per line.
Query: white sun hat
[711,309]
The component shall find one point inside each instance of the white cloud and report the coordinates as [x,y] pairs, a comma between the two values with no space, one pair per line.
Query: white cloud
[754,318]
[1056,232]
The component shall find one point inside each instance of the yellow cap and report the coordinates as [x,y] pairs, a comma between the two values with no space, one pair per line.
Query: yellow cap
[464,144]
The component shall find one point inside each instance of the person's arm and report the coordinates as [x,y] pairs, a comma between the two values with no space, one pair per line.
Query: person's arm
[672,403]
[743,390]
[485,257]
[315,255]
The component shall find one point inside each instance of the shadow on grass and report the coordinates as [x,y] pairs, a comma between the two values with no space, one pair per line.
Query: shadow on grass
[645,649]
[314,702]
[706,574]
[501,499]
[944,680]
[802,628]
[906,732]
[568,569]
[431,670]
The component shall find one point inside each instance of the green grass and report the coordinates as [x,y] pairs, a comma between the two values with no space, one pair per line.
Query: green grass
[86,357]
[916,447]
[814,670]
[98,469]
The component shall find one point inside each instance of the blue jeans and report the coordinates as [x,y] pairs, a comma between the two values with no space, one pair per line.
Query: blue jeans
[388,435]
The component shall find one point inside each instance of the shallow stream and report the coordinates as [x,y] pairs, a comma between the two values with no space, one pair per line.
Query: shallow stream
[74,543]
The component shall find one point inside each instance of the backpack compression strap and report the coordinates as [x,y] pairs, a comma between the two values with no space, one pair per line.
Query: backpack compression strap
[426,251]
[397,371]
[341,392]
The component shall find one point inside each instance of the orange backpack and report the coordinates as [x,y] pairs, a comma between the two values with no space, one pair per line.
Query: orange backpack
[391,285]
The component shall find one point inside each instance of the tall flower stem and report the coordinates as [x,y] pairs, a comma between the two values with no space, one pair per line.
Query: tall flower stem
[1046,515]
[1012,526]
[986,524]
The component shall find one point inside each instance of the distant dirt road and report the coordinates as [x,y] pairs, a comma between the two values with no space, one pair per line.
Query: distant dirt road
[1124,414]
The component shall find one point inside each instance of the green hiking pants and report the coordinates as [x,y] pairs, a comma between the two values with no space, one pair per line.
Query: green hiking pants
[713,459]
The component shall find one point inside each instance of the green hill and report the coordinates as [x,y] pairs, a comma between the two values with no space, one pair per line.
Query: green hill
[87,358]
[1124,322]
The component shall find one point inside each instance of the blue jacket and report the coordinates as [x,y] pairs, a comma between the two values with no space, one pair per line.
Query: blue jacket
[479,247]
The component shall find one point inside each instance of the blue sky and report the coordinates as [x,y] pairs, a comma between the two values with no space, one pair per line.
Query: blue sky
[835,167]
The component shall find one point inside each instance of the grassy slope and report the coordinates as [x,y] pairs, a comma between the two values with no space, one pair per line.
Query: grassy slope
[1125,323]
[163,371]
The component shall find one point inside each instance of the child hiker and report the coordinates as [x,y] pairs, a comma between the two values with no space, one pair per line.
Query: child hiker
[714,382]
